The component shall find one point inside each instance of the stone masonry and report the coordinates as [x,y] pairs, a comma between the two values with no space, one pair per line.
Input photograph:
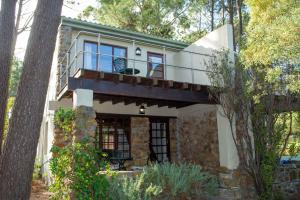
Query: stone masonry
[174,153]
[199,140]
[64,43]
[139,141]
[85,124]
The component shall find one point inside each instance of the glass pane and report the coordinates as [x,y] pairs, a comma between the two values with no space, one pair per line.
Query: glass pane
[105,58]
[119,60]
[119,52]
[155,63]
[90,56]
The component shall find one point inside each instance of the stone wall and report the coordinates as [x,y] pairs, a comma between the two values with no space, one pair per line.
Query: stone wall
[174,137]
[288,181]
[139,141]
[64,43]
[199,139]
[85,124]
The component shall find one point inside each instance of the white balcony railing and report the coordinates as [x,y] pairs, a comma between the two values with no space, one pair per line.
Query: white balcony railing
[190,66]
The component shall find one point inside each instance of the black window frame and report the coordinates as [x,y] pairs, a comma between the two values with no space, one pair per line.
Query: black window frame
[98,68]
[167,137]
[125,125]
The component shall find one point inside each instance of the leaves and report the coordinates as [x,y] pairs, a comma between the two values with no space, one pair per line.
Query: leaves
[273,32]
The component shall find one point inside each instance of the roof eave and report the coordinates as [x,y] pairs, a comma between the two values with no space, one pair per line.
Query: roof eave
[102,29]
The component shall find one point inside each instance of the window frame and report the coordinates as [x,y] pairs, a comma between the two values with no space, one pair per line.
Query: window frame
[160,120]
[123,125]
[161,55]
[98,67]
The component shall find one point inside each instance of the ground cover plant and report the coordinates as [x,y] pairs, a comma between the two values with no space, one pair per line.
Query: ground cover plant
[164,181]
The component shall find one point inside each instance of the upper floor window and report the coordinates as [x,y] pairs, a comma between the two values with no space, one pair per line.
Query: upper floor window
[155,65]
[107,58]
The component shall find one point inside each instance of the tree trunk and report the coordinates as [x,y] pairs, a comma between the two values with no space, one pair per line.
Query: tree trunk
[16,27]
[239,4]
[16,165]
[223,12]
[212,14]
[231,16]
[7,23]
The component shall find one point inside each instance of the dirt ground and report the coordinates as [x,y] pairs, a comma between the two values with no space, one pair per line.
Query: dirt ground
[39,191]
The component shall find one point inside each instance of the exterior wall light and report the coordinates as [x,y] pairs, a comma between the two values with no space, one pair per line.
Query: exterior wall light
[138,51]
[142,110]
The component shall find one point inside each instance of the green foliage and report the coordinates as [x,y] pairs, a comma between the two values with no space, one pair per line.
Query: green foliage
[194,36]
[75,170]
[9,107]
[164,181]
[150,16]
[273,31]
[36,170]
[15,75]
[248,94]
[63,119]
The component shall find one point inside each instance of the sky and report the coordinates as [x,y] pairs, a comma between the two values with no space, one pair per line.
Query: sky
[68,11]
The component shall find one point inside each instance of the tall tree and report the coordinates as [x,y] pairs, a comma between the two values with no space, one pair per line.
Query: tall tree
[212,15]
[7,23]
[149,16]
[16,164]
[20,28]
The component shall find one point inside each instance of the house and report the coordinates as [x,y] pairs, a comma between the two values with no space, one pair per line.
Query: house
[149,96]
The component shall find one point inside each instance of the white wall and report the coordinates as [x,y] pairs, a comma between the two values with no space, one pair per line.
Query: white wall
[227,149]
[203,49]
[188,65]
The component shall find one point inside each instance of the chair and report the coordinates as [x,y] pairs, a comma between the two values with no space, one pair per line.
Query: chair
[119,64]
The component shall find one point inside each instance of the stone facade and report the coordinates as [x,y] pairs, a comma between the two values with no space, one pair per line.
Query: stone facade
[85,124]
[139,141]
[288,181]
[199,139]
[174,137]
[64,43]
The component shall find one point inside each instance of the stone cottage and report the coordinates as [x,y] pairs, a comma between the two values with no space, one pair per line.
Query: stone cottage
[146,96]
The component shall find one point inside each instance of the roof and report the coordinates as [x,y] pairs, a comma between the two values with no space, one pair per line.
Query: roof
[122,33]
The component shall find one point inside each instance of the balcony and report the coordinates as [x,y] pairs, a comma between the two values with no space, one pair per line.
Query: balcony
[93,56]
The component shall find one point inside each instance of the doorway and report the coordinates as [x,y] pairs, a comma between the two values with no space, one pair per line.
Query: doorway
[159,143]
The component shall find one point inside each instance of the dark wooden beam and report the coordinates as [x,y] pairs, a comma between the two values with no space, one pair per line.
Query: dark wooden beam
[128,101]
[154,81]
[185,86]
[138,91]
[170,84]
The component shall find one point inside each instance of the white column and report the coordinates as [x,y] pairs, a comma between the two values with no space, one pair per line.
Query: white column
[82,97]
[227,150]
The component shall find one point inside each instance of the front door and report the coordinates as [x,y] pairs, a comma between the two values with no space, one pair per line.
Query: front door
[159,140]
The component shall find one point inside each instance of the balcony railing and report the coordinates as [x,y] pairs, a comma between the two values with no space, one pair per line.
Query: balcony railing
[190,66]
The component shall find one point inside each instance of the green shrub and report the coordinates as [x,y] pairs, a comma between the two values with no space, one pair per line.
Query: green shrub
[164,181]
[63,119]
[75,170]
[36,170]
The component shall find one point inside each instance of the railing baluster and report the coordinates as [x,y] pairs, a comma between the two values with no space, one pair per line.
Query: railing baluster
[164,61]
[133,67]
[192,67]
[98,54]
